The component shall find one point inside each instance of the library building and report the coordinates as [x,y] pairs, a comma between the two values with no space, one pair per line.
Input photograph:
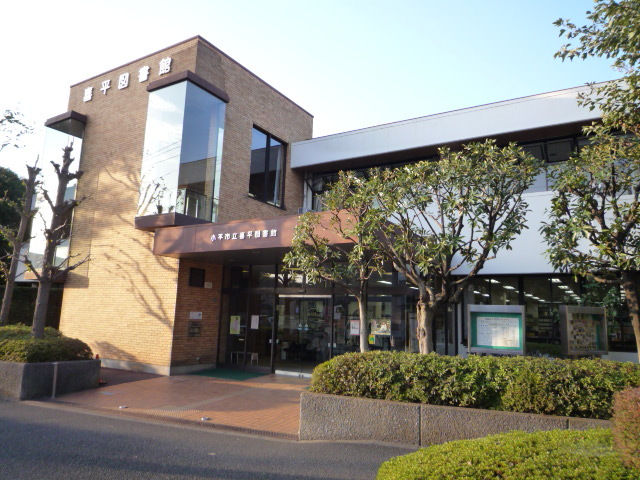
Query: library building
[195,172]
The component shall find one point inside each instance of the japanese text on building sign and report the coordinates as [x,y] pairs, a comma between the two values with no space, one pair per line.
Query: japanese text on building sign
[164,67]
[216,237]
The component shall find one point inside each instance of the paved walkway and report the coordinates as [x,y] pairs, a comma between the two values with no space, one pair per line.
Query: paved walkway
[266,405]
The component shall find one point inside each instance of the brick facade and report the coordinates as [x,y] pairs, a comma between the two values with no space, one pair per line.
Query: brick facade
[130,306]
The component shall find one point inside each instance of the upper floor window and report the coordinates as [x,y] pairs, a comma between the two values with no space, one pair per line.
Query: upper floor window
[182,152]
[267,168]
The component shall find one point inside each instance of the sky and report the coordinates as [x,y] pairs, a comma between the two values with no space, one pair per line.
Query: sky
[350,63]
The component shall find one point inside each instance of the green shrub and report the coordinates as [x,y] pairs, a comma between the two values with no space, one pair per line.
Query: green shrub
[558,454]
[581,388]
[17,345]
[626,426]
[23,332]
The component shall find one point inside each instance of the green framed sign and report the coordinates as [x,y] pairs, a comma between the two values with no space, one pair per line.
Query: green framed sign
[496,329]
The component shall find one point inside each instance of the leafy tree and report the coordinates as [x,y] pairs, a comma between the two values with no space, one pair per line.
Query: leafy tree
[17,238]
[614,32]
[56,232]
[594,225]
[11,193]
[12,127]
[440,217]
[341,244]
[594,228]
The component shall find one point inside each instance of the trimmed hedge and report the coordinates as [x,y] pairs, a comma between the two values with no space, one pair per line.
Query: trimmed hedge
[578,388]
[557,454]
[23,332]
[626,426]
[17,345]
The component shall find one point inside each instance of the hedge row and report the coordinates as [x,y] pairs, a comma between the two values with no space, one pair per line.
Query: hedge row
[16,345]
[626,426]
[578,388]
[558,454]
[24,302]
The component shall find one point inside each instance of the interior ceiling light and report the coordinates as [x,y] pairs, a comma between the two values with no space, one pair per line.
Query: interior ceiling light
[508,287]
[556,280]
[493,280]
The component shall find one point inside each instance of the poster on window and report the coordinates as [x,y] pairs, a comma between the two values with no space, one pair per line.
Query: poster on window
[381,327]
[354,327]
[234,325]
[496,329]
[583,330]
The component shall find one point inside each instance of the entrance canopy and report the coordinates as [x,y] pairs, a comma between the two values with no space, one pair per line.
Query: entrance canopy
[255,241]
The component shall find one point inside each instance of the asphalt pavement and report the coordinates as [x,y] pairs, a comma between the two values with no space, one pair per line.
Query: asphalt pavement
[52,441]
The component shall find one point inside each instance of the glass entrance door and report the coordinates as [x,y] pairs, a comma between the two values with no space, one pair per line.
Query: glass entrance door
[303,332]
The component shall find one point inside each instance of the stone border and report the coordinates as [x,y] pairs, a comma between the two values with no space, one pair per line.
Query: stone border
[27,381]
[334,417]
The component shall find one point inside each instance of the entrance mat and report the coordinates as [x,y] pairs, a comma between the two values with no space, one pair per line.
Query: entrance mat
[229,374]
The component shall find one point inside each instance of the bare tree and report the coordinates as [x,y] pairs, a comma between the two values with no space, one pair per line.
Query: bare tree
[17,239]
[55,233]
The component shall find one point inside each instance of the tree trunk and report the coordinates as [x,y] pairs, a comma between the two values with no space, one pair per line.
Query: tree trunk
[422,331]
[630,285]
[42,302]
[364,323]
[11,281]
[363,303]
[25,216]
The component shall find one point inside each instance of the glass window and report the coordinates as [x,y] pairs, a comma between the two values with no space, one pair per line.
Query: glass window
[559,150]
[537,151]
[267,164]
[263,276]
[182,152]
[196,277]
[62,134]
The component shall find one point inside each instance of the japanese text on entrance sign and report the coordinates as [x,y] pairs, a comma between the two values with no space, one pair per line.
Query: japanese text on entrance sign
[216,237]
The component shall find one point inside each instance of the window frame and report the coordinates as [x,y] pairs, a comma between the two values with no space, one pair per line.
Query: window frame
[267,163]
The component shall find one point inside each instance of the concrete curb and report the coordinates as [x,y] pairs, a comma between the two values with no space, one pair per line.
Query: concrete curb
[334,417]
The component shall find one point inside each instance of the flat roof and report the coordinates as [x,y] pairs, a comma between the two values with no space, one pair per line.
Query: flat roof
[535,112]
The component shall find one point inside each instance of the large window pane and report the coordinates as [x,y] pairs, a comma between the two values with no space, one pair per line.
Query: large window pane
[258,164]
[267,164]
[182,152]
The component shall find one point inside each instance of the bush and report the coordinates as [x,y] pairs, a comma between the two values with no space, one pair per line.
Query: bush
[581,388]
[23,332]
[626,426]
[558,454]
[17,345]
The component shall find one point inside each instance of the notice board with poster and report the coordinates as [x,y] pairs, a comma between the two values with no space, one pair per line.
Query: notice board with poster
[496,329]
[583,330]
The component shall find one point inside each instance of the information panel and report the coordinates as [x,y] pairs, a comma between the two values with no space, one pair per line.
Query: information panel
[583,330]
[496,329]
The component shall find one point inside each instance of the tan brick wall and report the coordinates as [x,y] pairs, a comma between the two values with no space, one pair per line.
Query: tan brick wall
[252,103]
[204,348]
[123,302]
